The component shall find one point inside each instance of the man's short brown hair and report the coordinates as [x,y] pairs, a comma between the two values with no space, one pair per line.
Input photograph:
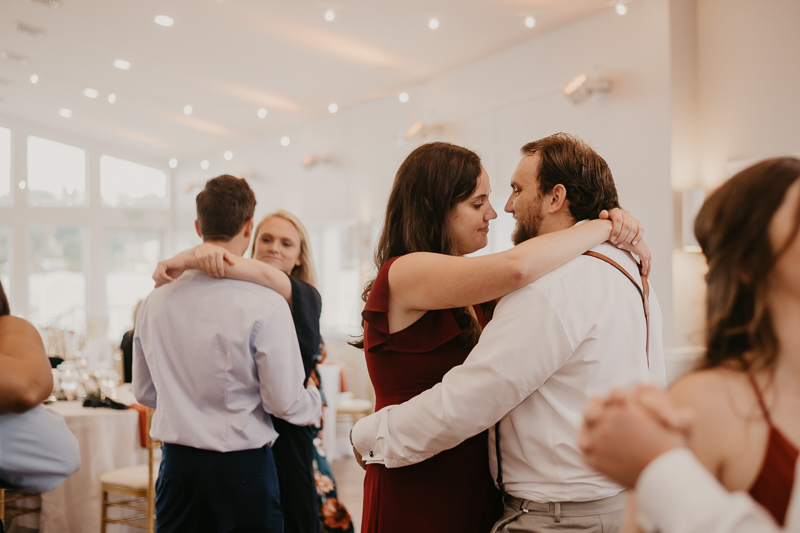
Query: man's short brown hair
[224,205]
[571,162]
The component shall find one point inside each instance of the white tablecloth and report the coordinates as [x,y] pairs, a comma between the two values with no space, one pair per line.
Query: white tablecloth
[108,439]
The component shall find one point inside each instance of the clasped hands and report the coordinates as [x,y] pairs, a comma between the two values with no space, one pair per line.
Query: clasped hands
[623,432]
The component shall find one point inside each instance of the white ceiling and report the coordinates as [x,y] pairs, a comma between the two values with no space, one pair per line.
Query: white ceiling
[228,58]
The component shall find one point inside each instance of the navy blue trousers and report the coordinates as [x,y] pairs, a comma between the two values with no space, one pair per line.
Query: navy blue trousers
[294,457]
[212,492]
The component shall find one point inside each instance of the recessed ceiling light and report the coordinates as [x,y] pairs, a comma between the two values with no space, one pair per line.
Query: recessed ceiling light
[204,164]
[187,110]
[285,141]
[22,185]
[163,20]
[122,64]
[34,78]
[228,155]
[330,15]
[173,163]
[530,22]
[621,8]
[262,113]
[66,113]
[403,97]
[433,24]
[112,98]
[90,93]
[333,108]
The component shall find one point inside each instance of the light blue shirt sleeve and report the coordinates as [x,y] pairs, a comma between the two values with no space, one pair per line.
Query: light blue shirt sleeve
[143,388]
[37,450]
[280,370]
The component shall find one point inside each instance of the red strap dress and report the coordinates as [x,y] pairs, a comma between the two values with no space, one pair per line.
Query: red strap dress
[773,486]
[452,491]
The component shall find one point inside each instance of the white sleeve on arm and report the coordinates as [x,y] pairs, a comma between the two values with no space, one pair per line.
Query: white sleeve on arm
[522,346]
[37,450]
[676,494]
[143,389]
[280,369]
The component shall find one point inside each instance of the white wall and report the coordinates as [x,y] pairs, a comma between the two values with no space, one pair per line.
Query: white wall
[738,87]
[493,106]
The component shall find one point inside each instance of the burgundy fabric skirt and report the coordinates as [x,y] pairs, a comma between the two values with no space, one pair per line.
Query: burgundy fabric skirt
[450,492]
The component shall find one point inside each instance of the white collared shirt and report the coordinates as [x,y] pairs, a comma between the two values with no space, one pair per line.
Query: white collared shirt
[216,357]
[575,333]
[676,494]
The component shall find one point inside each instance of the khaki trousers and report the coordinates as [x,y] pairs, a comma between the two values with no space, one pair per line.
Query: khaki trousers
[598,516]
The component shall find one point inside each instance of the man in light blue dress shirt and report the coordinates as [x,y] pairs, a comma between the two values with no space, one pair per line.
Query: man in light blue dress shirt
[216,357]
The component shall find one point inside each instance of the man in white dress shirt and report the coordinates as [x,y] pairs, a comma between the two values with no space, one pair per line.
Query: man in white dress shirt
[216,357]
[638,438]
[577,332]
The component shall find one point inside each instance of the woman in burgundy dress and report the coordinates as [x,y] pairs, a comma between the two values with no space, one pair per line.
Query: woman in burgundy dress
[747,395]
[424,312]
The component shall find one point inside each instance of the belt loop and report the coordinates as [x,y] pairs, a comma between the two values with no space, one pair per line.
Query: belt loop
[558,512]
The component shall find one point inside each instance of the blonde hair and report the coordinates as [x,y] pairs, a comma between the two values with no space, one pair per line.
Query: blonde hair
[305,270]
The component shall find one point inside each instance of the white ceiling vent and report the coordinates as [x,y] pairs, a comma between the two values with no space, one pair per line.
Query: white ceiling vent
[27,29]
[52,4]
[13,57]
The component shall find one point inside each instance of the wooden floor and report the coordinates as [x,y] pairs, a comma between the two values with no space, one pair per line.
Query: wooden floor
[350,486]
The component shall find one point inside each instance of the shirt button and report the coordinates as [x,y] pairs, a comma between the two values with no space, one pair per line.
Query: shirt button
[244,480]
[371,454]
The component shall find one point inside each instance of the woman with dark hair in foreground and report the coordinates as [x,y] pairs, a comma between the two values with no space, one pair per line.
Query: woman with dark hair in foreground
[746,396]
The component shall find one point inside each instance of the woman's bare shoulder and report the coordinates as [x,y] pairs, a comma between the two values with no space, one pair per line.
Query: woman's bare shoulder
[12,325]
[709,389]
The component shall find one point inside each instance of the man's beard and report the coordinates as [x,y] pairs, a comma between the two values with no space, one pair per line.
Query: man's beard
[528,226]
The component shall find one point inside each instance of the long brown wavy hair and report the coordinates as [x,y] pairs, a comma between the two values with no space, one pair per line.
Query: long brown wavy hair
[428,185]
[732,229]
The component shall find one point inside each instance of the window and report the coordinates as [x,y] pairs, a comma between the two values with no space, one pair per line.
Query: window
[5,258]
[132,258]
[127,184]
[56,173]
[56,278]
[5,166]
[339,277]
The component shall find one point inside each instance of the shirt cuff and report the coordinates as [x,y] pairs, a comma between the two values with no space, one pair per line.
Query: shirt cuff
[675,480]
[364,436]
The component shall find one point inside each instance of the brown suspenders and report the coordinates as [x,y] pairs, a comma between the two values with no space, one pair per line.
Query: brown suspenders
[644,292]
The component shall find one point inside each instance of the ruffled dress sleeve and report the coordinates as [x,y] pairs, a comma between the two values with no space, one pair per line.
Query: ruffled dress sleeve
[432,330]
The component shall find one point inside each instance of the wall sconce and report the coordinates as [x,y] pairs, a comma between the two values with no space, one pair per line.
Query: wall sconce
[581,87]
[691,202]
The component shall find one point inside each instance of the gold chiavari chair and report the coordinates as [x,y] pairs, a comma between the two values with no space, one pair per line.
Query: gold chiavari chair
[136,484]
[9,512]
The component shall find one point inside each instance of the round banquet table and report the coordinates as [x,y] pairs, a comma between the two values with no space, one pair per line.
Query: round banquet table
[108,439]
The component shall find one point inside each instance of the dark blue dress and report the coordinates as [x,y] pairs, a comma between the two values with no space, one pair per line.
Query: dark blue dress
[294,448]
